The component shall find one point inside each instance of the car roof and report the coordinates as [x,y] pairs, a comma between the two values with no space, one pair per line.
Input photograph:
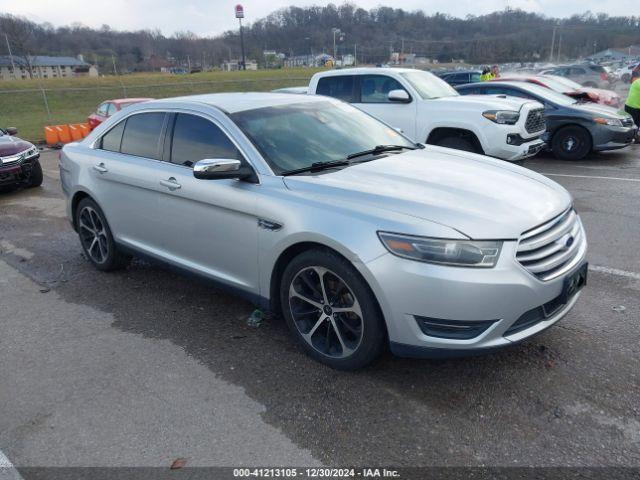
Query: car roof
[129,100]
[238,102]
[493,84]
[365,71]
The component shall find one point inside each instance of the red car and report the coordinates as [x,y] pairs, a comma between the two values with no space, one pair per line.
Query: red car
[19,165]
[109,107]
[570,88]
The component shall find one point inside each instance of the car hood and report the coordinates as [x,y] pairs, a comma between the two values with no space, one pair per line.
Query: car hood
[11,145]
[485,102]
[480,197]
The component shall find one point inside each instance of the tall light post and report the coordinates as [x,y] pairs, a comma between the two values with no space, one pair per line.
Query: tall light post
[240,16]
[336,31]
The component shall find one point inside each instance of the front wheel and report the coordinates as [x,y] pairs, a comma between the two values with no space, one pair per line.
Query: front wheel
[96,238]
[457,143]
[331,311]
[35,176]
[571,143]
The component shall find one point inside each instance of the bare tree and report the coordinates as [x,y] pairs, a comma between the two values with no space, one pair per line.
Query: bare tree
[20,35]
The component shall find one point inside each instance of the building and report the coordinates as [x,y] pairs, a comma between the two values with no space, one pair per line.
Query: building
[307,60]
[233,65]
[44,67]
[623,54]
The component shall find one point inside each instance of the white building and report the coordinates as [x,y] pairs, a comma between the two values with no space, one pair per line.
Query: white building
[234,65]
[17,68]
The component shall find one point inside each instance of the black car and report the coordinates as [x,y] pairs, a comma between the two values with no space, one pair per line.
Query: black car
[460,77]
[574,127]
[19,164]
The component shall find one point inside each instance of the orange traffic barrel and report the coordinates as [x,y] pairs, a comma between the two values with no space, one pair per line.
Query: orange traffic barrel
[76,132]
[64,133]
[85,128]
[51,135]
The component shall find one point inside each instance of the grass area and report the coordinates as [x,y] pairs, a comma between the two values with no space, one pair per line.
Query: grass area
[71,100]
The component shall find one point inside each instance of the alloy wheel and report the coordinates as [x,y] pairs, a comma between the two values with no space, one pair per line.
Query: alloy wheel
[93,235]
[326,312]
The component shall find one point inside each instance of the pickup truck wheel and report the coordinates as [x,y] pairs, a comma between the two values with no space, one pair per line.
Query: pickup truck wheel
[35,177]
[457,143]
[96,238]
[571,143]
[331,311]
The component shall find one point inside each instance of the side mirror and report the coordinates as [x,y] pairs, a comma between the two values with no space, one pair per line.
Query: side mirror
[219,169]
[400,96]
[11,131]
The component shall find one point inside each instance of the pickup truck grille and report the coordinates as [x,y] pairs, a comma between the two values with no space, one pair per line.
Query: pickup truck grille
[554,247]
[535,121]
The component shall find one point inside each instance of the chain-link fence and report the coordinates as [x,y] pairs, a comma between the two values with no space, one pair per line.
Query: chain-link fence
[29,110]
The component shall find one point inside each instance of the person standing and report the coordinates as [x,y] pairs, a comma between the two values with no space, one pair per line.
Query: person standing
[495,72]
[486,75]
[632,105]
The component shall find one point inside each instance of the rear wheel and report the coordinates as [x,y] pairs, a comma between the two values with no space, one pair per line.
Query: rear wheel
[96,238]
[331,311]
[457,143]
[35,177]
[571,143]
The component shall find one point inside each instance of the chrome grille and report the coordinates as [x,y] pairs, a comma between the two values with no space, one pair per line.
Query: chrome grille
[12,160]
[535,121]
[554,247]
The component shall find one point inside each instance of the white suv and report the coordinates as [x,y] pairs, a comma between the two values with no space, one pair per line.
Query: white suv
[429,110]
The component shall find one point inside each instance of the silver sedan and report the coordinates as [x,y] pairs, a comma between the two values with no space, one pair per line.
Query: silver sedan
[360,238]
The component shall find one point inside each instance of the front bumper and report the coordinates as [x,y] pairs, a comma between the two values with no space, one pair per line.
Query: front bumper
[607,137]
[498,296]
[512,146]
[12,174]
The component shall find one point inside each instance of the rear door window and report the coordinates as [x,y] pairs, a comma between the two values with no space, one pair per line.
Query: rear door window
[341,87]
[142,135]
[196,138]
[112,139]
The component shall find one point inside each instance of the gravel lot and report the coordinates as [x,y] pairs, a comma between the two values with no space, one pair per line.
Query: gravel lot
[143,366]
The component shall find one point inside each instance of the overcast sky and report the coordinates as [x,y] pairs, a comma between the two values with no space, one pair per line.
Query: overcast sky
[210,17]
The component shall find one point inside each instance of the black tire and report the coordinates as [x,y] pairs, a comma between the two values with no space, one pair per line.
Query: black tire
[92,224]
[457,143]
[328,333]
[35,177]
[571,143]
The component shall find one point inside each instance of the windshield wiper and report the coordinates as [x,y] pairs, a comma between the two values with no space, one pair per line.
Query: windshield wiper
[380,149]
[317,166]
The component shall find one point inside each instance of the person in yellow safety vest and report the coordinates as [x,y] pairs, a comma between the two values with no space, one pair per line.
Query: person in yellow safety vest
[632,105]
[486,75]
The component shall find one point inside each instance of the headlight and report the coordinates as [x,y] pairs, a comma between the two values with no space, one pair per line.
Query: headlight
[506,117]
[608,121]
[459,253]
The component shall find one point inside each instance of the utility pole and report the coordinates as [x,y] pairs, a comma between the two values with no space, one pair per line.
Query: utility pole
[355,54]
[13,65]
[559,46]
[188,64]
[553,44]
[240,16]
[113,60]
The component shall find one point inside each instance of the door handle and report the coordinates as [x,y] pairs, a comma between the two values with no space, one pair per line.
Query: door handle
[100,168]
[171,184]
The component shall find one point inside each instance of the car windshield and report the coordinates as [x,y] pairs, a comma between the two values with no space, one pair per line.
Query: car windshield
[428,85]
[561,81]
[299,135]
[548,94]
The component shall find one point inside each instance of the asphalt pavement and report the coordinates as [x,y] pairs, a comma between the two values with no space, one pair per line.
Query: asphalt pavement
[143,366]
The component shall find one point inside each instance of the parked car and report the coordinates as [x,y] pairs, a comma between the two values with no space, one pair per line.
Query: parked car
[569,88]
[588,75]
[360,242]
[460,77]
[110,107]
[625,73]
[575,128]
[428,110]
[19,161]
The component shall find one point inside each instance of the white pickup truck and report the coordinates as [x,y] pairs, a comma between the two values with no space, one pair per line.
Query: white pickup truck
[429,110]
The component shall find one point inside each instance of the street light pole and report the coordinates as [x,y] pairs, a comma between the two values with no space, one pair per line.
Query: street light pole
[240,16]
[335,53]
